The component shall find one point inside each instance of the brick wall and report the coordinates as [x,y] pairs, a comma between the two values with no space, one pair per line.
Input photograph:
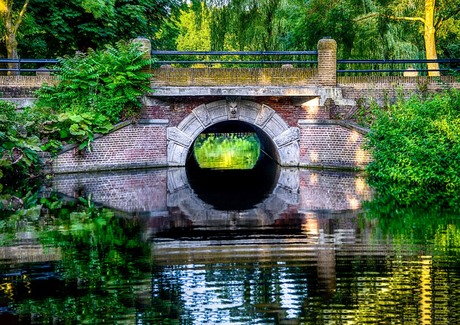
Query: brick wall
[326,144]
[322,143]
[291,110]
[130,192]
[22,86]
[129,146]
[329,190]
[387,90]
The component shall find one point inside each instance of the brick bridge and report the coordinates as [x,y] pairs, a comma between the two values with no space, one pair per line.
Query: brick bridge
[304,117]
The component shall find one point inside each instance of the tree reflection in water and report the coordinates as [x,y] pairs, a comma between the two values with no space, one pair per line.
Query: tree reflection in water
[111,255]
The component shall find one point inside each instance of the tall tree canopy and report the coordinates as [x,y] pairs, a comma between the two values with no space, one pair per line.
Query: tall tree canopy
[50,28]
[383,29]
[380,29]
[194,30]
[244,24]
[430,15]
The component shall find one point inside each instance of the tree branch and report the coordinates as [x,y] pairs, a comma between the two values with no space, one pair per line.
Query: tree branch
[438,23]
[446,17]
[376,14]
[407,18]
[20,16]
[368,16]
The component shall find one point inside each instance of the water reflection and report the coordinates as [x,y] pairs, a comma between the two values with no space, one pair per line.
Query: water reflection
[144,248]
[273,197]
[234,189]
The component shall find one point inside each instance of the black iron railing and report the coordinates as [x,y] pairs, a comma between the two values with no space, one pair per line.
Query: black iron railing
[21,66]
[216,59]
[234,59]
[299,59]
[391,67]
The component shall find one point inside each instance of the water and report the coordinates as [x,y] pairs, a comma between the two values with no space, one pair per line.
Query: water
[158,247]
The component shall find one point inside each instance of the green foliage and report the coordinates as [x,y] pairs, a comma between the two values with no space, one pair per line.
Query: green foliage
[71,127]
[240,25]
[108,82]
[102,259]
[365,113]
[362,29]
[18,143]
[416,152]
[195,34]
[95,90]
[55,28]
[229,151]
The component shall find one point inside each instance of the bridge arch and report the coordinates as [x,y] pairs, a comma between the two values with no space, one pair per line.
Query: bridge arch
[285,139]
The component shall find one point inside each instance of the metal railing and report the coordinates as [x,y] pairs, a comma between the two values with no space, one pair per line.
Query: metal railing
[27,65]
[234,59]
[243,59]
[391,67]
[272,59]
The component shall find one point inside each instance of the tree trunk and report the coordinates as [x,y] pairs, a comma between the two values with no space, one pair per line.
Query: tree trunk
[11,30]
[430,39]
[12,53]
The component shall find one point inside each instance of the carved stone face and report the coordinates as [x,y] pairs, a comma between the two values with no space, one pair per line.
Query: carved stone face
[233,108]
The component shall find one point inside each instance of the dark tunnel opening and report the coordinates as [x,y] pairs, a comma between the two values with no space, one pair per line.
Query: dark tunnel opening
[235,189]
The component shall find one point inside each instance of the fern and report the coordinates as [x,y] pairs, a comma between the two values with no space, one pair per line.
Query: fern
[108,82]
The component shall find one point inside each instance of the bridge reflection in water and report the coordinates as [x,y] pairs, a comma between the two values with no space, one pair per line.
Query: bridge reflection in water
[194,217]
[177,198]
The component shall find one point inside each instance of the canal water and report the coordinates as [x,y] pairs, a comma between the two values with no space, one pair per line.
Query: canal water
[187,246]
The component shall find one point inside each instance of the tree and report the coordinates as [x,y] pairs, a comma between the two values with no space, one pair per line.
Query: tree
[244,24]
[52,28]
[430,13]
[12,20]
[332,18]
[195,34]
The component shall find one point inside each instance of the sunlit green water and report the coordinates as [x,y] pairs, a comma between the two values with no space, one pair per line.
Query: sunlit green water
[227,151]
[70,260]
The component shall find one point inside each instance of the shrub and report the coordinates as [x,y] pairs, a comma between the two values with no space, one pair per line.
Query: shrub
[19,147]
[71,127]
[108,82]
[416,151]
[18,143]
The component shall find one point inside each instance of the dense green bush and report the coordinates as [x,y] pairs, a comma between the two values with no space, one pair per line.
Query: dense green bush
[74,127]
[227,151]
[19,147]
[18,142]
[416,150]
[108,82]
[94,90]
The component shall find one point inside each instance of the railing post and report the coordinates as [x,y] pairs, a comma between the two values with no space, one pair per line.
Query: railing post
[43,72]
[327,62]
[146,47]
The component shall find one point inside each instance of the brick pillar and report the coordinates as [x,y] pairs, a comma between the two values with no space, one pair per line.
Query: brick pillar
[146,46]
[327,62]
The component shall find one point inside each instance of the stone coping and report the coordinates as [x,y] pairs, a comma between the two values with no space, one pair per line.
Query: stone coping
[343,123]
[304,79]
[345,80]
[26,81]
